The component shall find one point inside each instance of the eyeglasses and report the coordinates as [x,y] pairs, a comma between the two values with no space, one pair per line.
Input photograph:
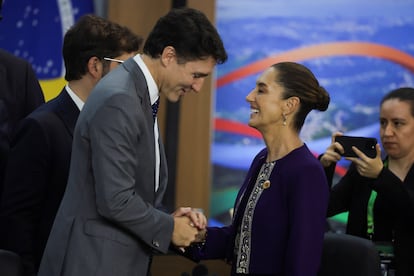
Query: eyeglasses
[114,60]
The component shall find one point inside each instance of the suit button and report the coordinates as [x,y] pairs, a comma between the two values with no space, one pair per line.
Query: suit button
[155,243]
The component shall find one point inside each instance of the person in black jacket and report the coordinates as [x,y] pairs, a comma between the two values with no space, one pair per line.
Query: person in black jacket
[379,194]
[20,94]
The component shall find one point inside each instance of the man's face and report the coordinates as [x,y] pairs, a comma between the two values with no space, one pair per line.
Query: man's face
[182,78]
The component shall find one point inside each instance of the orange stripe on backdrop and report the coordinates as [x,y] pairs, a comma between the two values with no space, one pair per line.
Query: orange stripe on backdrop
[323,50]
[236,128]
[243,129]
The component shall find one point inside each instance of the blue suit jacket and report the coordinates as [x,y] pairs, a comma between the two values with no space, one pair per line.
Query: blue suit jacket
[36,177]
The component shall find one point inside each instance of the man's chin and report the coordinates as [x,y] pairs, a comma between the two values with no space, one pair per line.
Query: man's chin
[174,98]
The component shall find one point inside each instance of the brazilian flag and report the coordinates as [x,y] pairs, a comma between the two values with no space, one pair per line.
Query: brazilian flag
[34,30]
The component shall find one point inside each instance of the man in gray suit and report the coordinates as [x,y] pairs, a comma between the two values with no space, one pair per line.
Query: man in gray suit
[108,222]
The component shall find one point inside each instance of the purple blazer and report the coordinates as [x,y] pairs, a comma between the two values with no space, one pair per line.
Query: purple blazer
[288,221]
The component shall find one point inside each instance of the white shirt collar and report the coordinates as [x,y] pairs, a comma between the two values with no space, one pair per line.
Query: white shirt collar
[152,86]
[79,103]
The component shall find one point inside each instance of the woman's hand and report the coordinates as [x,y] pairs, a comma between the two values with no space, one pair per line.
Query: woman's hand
[368,167]
[333,152]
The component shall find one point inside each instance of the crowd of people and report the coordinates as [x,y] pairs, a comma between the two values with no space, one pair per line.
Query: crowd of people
[95,171]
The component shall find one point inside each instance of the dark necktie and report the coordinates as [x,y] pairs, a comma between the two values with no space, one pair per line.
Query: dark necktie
[155,108]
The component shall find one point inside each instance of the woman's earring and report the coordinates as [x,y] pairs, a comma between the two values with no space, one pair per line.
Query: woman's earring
[284,119]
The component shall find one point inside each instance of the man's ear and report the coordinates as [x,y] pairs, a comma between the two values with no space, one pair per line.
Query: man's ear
[95,67]
[168,55]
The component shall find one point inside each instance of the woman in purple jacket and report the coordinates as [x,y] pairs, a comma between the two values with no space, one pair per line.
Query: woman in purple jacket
[279,218]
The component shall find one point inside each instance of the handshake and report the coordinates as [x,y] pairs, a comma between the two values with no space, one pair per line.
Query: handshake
[189,227]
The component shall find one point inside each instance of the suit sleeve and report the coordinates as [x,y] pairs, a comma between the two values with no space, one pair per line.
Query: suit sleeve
[399,194]
[25,180]
[218,244]
[342,192]
[34,96]
[307,204]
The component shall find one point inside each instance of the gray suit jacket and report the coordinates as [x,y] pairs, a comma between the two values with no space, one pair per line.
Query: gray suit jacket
[108,223]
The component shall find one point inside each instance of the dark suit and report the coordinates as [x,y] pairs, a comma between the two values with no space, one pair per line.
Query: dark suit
[107,223]
[393,210]
[20,94]
[36,177]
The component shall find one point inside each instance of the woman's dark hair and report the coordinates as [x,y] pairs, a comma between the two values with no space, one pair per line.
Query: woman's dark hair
[190,33]
[299,81]
[404,94]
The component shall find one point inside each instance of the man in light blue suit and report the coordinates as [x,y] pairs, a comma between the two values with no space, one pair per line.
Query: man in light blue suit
[109,222]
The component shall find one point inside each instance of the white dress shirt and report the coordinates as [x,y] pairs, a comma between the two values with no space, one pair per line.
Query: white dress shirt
[154,95]
[79,103]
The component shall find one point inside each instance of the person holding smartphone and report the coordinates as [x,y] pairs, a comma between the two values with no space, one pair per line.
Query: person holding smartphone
[379,193]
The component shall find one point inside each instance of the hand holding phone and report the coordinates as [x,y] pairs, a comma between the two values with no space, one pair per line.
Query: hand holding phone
[364,144]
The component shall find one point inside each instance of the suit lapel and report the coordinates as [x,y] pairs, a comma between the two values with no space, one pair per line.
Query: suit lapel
[141,84]
[143,94]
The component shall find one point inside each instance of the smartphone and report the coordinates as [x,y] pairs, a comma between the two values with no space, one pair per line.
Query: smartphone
[364,144]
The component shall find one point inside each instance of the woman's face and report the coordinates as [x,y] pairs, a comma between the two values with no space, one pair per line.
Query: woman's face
[396,128]
[266,103]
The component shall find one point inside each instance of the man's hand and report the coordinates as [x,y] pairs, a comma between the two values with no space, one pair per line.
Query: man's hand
[184,232]
[198,219]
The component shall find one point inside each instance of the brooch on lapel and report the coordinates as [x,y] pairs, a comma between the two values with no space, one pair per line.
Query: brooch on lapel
[266,184]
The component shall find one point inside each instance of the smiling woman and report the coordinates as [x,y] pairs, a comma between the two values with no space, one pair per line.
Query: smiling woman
[284,94]
[356,74]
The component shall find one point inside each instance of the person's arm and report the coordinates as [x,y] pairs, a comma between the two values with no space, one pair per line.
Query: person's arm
[329,171]
[214,243]
[330,157]
[24,188]
[120,141]
[342,192]
[307,203]
[399,194]
[33,96]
